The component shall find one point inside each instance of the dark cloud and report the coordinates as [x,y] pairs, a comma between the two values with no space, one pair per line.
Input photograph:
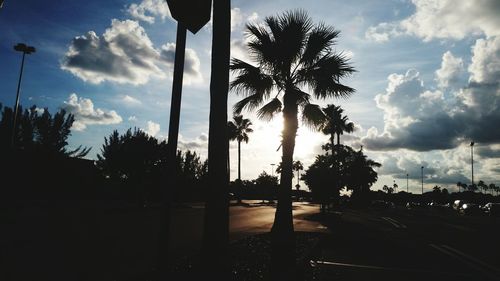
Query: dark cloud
[487,152]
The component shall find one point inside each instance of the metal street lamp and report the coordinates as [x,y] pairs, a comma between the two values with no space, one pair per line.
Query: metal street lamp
[422,169]
[472,160]
[25,49]
[407,183]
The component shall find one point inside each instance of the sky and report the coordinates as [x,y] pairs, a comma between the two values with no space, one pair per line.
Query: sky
[427,80]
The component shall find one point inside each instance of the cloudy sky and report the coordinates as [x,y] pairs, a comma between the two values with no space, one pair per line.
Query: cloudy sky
[427,82]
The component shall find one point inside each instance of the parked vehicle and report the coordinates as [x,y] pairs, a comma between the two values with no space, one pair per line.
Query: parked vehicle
[383,204]
[492,209]
[470,209]
[457,205]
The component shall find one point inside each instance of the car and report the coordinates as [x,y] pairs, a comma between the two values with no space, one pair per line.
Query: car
[492,209]
[383,204]
[457,204]
[413,205]
[470,209]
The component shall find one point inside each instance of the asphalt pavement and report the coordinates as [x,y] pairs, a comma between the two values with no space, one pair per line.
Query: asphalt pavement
[401,244]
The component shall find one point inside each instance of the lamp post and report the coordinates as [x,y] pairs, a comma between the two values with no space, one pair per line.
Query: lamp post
[407,191]
[25,49]
[422,170]
[472,161]
[272,169]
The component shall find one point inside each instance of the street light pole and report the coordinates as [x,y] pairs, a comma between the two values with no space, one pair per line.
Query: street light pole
[20,47]
[422,170]
[472,160]
[407,183]
[272,170]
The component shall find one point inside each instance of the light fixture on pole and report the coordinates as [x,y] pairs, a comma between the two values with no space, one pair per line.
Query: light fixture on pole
[25,49]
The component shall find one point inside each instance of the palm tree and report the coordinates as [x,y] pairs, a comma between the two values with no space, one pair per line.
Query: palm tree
[239,129]
[459,184]
[297,166]
[336,124]
[482,185]
[494,187]
[291,53]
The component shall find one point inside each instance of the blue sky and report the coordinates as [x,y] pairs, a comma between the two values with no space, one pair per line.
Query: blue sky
[427,80]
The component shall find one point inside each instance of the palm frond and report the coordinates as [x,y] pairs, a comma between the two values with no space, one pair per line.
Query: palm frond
[320,39]
[268,111]
[324,75]
[291,37]
[313,116]
[250,79]
[261,45]
[249,103]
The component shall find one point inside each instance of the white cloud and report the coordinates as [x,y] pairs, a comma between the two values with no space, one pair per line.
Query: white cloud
[125,54]
[152,128]
[147,10]
[485,66]
[192,73]
[420,119]
[85,113]
[443,19]
[131,100]
[451,68]
[132,118]
[383,32]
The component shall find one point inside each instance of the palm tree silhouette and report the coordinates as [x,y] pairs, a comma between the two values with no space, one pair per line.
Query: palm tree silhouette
[297,166]
[291,53]
[336,124]
[239,129]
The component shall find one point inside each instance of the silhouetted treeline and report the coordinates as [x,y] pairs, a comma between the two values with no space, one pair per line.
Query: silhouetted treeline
[345,168]
[130,167]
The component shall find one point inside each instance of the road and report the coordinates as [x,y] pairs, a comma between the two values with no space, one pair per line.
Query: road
[71,242]
[252,218]
[86,243]
[400,244]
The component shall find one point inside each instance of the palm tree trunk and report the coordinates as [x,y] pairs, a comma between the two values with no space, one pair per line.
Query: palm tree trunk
[332,143]
[239,161]
[338,139]
[282,238]
[216,226]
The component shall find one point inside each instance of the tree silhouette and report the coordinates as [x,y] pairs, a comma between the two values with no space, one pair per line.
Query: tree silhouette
[239,129]
[388,189]
[482,186]
[134,159]
[291,52]
[335,124]
[297,166]
[39,133]
[494,187]
[359,174]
